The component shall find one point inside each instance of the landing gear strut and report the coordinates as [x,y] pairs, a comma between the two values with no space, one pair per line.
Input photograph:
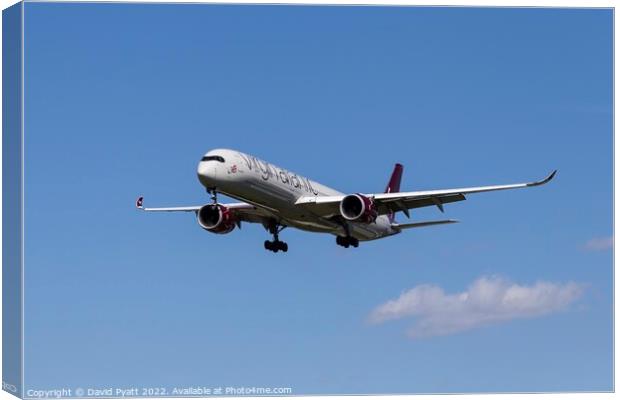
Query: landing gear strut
[213,192]
[276,245]
[346,241]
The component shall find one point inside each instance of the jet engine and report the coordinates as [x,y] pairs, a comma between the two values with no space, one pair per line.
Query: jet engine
[357,207]
[216,218]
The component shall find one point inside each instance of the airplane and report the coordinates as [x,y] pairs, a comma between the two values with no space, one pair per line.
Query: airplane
[278,198]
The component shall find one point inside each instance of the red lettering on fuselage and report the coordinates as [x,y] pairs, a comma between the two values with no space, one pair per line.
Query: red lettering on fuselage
[269,171]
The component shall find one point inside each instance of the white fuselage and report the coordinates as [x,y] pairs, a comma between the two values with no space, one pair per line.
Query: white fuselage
[257,182]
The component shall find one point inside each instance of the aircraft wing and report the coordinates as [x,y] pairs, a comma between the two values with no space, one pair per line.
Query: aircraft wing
[243,211]
[327,206]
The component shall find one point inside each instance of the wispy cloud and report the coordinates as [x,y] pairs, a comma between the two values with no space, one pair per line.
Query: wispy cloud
[486,301]
[599,244]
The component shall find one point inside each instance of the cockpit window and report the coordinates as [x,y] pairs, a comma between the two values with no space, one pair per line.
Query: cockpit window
[213,158]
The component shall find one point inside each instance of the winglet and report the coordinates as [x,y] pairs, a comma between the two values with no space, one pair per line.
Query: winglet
[139,203]
[546,180]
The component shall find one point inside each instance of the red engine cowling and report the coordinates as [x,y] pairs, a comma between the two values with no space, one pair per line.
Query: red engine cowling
[357,207]
[216,218]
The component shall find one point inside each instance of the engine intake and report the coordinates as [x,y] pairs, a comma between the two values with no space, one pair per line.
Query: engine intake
[357,207]
[216,218]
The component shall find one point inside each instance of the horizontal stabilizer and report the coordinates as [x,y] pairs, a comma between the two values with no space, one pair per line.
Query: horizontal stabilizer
[423,224]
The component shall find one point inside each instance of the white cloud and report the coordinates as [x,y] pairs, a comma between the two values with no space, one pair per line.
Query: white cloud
[600,243]
[487,300]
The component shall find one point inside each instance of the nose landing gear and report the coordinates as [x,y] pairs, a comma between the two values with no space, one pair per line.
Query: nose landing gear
[276,245]
[213,192]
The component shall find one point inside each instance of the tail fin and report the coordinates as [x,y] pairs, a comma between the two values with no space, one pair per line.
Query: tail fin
[393,185]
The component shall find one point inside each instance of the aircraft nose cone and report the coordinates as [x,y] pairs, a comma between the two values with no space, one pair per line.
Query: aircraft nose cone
[206,174]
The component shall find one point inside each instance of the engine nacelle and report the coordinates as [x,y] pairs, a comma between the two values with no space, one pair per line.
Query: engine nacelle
[216,218]
[357,207]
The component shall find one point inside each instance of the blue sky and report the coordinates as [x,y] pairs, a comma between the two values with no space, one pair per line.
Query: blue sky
[122,100]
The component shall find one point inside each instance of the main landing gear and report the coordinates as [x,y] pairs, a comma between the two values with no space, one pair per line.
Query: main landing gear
[346,241]
[276,245]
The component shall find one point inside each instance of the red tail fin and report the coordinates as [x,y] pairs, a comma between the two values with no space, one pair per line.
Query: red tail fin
[394,183]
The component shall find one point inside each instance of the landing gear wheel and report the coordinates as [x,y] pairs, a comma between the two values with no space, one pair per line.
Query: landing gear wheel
[347,241]
[213,192]
[276,246]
